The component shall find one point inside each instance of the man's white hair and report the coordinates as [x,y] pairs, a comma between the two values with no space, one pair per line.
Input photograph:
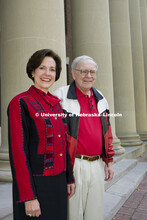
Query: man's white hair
[80,59]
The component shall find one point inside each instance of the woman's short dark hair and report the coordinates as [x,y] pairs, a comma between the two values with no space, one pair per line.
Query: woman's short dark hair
[37,58]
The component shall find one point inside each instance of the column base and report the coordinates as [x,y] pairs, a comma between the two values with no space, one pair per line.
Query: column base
[117,146]
[130,140]
[143,136]
[119,150]
[5,170]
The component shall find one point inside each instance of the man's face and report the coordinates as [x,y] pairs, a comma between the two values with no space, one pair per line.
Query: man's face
[84,81]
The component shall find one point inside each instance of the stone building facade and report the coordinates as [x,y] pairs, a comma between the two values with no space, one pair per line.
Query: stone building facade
[113,32]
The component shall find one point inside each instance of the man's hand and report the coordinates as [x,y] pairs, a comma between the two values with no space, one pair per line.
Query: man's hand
[70,189]
[109,172]
[32,208]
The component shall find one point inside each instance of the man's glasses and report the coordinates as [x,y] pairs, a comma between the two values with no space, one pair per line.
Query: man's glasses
[85,72]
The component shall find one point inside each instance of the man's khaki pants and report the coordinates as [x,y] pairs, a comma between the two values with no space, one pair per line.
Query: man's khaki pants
[88,201]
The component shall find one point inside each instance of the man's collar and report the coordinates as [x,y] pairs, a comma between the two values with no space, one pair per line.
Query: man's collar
[72,92]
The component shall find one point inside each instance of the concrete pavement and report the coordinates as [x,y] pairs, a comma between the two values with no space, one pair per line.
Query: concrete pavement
[135,208]
[6,201]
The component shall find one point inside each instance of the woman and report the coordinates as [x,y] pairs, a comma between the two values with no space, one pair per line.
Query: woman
[40,162]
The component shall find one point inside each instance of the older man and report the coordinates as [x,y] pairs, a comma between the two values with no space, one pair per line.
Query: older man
[89,140]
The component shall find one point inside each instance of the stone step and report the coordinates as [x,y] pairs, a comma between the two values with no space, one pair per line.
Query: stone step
[119,192]
[132,152]
[5,200]
[4,165]
[121,168]
[5,176]
[5,171]
[4,156]
[8,217]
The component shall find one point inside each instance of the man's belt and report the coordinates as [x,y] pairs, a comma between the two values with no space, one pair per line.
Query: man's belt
[87,157]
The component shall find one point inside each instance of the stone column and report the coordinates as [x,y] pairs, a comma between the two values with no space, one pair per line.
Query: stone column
[91,36]
[138,68]
[123,72]
[27,26]
[143,10]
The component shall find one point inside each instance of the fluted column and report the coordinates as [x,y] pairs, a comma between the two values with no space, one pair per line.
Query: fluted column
[123,72]
[143,10]
[91,36]
[138,69]
[27,26]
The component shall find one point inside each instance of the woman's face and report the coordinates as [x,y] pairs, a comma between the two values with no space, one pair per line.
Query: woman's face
[44,75]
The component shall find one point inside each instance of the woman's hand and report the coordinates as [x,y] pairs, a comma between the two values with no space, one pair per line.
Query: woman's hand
[70,189]
[32,208]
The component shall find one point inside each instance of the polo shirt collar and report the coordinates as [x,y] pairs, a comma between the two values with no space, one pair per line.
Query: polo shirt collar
[81,94]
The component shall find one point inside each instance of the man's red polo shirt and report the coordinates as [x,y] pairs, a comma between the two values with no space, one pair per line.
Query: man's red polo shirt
[90,129]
